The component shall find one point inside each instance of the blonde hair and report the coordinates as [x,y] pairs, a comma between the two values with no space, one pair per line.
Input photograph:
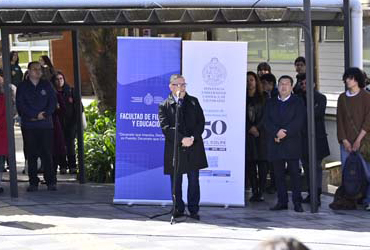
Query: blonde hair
[281,243]
[174,77]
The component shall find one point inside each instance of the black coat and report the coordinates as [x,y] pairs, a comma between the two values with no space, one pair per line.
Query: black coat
[191,123]
[289,115]
[69,120]
[254,115]
[322,145]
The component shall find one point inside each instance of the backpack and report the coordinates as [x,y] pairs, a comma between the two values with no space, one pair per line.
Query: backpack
[354,184]
[353,176]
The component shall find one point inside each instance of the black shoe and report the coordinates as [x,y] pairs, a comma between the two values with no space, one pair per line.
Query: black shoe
[52,187]
[270,190]
[73,171]
[178,214]
[260,198]
[253,198]
[257,198]
[307,200]
[279,206]
[32,188]
[1,190]
[195,216]
[298,208]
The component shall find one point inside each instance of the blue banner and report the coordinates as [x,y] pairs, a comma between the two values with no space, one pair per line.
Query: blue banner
[144,67]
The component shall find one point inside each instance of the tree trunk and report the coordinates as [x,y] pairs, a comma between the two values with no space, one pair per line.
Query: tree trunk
[99,50]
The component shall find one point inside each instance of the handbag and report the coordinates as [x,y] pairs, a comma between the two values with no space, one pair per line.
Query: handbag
[84,122]
[365,142]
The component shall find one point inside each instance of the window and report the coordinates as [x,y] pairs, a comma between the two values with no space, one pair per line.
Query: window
[334,33]
[257,46]
[283,44]
[29,51]
[264,44]
[366,46]
[224,34]
[199,36]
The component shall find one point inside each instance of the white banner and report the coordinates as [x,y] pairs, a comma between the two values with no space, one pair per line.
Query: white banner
[215,73]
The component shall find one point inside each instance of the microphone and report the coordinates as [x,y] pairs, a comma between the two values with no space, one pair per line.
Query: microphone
[180,100]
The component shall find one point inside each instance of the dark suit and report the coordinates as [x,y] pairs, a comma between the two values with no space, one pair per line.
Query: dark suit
[191,159]
[288,115]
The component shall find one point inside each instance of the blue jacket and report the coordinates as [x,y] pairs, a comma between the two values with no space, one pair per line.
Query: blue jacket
[289,115]
[31,100]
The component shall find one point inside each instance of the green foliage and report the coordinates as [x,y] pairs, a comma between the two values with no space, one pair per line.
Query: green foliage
[100,144]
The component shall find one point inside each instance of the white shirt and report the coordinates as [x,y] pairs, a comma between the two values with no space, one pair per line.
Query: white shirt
[349,94]
[286,98]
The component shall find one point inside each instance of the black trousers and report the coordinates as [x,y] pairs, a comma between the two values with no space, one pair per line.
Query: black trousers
[257,175]
[193,192]
[294,172]
[70,137]
[39,143]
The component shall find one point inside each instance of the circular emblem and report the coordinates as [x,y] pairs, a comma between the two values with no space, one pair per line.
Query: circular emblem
[43,92]
[214,73]
[148,99]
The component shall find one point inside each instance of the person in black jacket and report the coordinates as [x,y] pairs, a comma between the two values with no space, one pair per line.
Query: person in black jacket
[322,145]
[16,71]
[68,120]
[256,166]
[283,119]
[36,102]
[268,82]
[192,156]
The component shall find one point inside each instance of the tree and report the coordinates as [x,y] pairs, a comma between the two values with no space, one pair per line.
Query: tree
[99,49]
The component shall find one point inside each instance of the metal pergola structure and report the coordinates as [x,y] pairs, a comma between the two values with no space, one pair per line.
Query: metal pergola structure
[14,21]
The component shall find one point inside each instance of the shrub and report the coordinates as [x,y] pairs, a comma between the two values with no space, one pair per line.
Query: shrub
[100,144]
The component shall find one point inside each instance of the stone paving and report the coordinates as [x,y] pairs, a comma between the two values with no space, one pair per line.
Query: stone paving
[84,217]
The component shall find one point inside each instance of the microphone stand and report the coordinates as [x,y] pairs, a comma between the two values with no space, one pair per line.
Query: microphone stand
[175,162]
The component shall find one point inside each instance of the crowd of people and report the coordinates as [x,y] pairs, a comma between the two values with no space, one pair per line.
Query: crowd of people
[277,133]
[45,108]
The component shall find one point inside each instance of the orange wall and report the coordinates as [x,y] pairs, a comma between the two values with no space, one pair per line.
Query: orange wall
[62,57]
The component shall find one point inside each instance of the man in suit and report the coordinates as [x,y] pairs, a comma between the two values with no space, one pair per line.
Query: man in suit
[283,119]
[192,156]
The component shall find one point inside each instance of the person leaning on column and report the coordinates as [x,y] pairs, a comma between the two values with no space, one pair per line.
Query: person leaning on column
[322,145]
[192,156]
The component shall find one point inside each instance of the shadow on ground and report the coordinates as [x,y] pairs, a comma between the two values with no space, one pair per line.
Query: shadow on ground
[96,201]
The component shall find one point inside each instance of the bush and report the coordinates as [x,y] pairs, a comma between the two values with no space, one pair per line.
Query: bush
[100,144]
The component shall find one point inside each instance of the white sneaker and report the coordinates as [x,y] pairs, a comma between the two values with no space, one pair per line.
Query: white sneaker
[367,207]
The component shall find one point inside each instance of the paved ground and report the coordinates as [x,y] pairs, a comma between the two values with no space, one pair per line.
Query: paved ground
[83,217]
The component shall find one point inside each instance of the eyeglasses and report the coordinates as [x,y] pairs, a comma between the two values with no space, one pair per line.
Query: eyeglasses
[180,85]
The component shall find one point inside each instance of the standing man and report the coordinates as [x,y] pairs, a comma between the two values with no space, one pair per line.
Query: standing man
[300,68]
[353,122]
[36,102]
[283,119]
[300,65]
[192,156]
[322,145]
